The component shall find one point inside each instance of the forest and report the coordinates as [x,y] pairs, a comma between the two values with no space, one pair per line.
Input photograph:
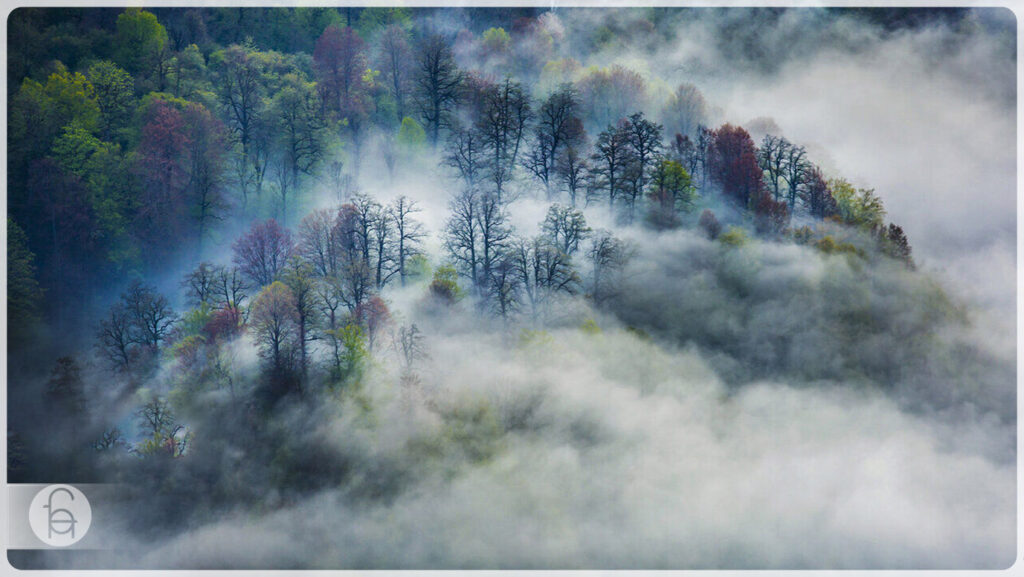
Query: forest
[505,288]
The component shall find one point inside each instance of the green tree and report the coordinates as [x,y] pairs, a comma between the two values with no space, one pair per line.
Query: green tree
[23,293]
[141,47]
[115,96]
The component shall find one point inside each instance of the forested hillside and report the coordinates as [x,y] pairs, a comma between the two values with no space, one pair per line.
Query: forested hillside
[500,288]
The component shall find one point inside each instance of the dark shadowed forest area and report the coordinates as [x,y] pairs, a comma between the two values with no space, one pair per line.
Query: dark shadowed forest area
[517,288]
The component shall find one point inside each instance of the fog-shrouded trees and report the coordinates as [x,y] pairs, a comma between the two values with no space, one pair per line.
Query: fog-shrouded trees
[501,126]
[732,165]
[394,56]
[300,141]
[475,235]
[135,327]
[685,111]
[611,161]
[671,192]
[437,81]
[407,241]
[557,129]
[274,324]
[262,253]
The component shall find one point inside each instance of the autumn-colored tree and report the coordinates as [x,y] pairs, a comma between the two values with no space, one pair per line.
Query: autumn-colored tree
[770,217]
[262,253]
[732,165]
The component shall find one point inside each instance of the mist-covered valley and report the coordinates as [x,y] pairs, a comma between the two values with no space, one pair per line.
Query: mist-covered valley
[517,288]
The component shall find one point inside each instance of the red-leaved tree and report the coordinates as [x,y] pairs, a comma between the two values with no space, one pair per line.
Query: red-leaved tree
[262,253]
[732,165]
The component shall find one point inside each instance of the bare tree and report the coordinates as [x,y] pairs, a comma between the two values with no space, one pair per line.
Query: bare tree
[437,81]
[565,228]
[409,234]
[557,127]
[501,126]
[771,156]
[608,256]
[796,170]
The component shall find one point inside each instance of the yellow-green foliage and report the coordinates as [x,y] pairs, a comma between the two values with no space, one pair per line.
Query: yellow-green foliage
[470,429]
[857,207]
[445,285]
[590,327]
[411,135]
[828,245]
[194,321]
[496,40]
[353,355]
[529,338]
[803,235]
[734,236]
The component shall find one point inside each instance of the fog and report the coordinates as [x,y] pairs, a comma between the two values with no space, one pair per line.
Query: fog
[762,406]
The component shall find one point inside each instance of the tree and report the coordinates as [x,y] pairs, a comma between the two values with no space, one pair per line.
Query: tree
[461,237]
[114,339]
[273,322]
[857,207]
[163,159]
[544,270]
[199,285]
[262,253]
[239,72]
[206,137]
[709,224]
[444,287]
[142,46]
[608,256]
[732,165]
[395,57]
[771,157]
[300,139]
[644,139]
[115,96]
[464,153]
[298,276]
[573,169]
[671,191]
[501,125]
[24,296]
[796,169]
[437,80]
[320,241]
[816,196]
[608,94]
[340,62]
[770,217]
[557,128]
[149,315]
[228,286]
[685,110]
[565,228]
[373,315]
[409,234]
[612,159]
[895,244]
